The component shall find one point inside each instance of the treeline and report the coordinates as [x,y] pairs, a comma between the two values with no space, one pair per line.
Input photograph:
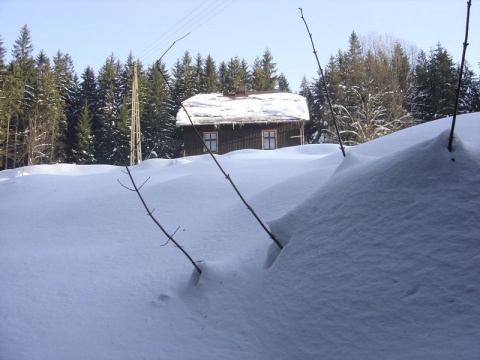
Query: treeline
[49,115]
[377,87]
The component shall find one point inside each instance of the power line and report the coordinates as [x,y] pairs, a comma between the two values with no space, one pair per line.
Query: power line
[187,27]
[154,44]
[190,22]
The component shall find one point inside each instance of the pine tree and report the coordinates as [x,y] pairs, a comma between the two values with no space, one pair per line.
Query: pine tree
[435,80]
[222,77]
[370,90]
[22,52]
[310,126]
[109,102]
[399,82]
[200,81]
[444,81]
[22,55]
[44,117]
[258,77]
[237,73]
[11,95]
[245,76]
[3,109]
[3,51]
[82,151]
[263,73]
[282,83]
[269,70]
[469,99]
[88,96]
[88,91]
[210,71]
[160,135]
[67,86]
[421,99]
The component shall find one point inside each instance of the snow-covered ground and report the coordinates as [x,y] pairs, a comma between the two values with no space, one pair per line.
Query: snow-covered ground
[381,256]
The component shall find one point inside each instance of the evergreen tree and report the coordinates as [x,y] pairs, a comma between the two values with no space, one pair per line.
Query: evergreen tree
[369,89]
[22,55]
[210,71]
[421,98]
[44,117]
[269,70]
[11,95]
[67,87]
[88,91]
[200,81]
[444,81]
[282,83]
[258,78]
[184,83]
[245,76]
[469,99]
[83,130]
[3,109]
[263,73]
[3,51]
[82,151]
[237,73]
[310,126]
[160,135]
[399,81]
[400,67]
[436,80]
[222,77]
[109,102]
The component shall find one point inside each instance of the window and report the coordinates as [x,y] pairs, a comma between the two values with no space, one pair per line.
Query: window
[269,139]
[210,139]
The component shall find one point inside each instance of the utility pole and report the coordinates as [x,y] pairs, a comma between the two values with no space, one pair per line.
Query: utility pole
[135,134]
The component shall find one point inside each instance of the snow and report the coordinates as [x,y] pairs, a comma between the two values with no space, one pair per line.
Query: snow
[380,258]
[216,109]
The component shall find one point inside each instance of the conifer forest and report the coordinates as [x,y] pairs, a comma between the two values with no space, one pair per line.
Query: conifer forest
[49,114]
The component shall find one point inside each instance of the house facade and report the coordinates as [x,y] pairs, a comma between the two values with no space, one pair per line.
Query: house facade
[246,120]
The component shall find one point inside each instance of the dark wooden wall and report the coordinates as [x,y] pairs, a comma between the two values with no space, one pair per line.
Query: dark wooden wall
[246,136]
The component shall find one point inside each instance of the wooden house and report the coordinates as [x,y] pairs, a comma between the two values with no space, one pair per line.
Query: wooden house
[243,120]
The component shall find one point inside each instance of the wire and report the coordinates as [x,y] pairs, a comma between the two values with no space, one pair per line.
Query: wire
[175,29]
[196,18]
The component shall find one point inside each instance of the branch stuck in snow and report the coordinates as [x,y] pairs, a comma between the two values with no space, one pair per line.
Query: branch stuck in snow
[150,212]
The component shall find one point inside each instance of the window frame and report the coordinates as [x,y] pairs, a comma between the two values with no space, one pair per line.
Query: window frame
[269,138]
[208,142]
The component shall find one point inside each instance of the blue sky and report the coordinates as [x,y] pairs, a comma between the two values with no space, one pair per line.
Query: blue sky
[91,30]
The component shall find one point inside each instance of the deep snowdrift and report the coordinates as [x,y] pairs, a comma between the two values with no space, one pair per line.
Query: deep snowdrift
[380,260]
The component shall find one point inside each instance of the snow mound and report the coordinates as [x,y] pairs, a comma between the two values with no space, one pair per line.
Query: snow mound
[380,258]
[380,263]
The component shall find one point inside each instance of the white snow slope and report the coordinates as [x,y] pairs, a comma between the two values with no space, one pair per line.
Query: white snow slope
[381,256]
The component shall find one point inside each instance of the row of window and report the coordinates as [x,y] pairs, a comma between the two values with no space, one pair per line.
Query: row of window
[269,140]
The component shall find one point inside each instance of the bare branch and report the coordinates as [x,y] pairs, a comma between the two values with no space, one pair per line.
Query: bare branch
[143,183]
[465,44]
[183,37]
[126,187]
[137,190]
[324,84]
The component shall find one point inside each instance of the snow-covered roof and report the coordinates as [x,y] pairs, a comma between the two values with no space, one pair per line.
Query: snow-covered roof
[217,109]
